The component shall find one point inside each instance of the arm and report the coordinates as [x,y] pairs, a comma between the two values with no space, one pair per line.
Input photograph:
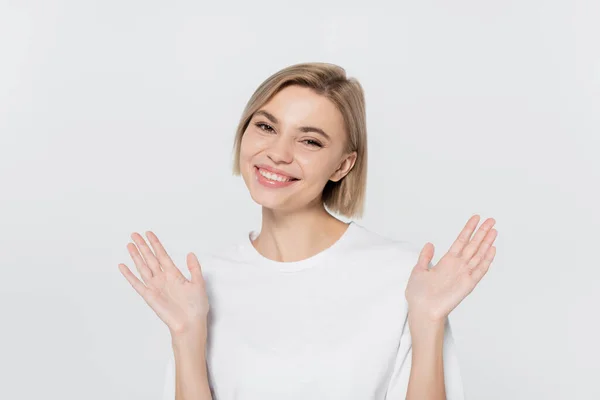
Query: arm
[182,304]
[191,372]
[427,372]
[433,292]
[410,356]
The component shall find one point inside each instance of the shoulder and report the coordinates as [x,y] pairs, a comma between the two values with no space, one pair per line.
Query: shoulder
[381,249]
[366,239]
[217,256]
[225,255]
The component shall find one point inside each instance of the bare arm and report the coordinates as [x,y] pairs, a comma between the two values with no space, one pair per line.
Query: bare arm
[182,304]
[427,371]
[191,372]
[432,293]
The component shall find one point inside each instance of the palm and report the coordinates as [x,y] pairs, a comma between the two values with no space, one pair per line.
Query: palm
[178,302]
[437,291]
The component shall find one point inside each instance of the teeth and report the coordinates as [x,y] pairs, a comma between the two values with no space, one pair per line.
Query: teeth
[273,177]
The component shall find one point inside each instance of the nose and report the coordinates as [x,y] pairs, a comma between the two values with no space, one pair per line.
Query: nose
[281,151]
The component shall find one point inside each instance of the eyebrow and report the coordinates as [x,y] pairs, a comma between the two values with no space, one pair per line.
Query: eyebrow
[304,129]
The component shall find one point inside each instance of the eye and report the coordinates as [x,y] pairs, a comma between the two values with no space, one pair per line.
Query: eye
[312,143]
[264,127]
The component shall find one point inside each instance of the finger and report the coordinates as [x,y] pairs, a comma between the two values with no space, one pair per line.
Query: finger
[483,248]
[484,265]
[133,280]
[195,268]
[141,266]
[480,235]
[148,255]
[165,260]
[425,256]
[465,235]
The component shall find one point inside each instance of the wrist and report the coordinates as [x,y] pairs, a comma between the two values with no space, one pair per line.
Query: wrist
[192,336]
[425,329]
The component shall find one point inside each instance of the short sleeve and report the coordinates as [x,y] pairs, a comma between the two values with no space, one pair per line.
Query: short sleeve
[169,382]
[398,385]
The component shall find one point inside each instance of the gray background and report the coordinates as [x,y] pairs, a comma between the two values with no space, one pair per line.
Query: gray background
[118,116]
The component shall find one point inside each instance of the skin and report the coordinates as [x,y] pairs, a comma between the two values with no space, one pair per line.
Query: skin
[295,226]
[433,293]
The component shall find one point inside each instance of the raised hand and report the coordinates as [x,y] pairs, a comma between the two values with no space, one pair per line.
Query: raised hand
[434,293]
[180,303]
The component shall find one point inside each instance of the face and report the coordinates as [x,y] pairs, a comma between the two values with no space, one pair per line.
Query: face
[293,145]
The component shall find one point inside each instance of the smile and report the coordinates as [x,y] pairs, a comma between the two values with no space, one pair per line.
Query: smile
[273,180]
[273,176]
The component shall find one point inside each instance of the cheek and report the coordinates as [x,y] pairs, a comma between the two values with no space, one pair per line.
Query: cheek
[251,144]
[246,147]
[315,167]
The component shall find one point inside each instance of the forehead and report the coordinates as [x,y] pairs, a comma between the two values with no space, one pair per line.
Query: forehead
[296,106]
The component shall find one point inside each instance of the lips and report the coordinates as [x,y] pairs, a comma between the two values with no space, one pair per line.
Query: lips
[276,171]
[271,182]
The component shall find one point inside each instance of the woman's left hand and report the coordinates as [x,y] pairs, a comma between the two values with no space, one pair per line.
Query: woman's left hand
[434,293]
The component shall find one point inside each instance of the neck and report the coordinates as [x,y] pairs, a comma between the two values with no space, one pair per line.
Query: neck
[299,235]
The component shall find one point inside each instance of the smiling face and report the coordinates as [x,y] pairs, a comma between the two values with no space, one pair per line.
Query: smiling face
[293,145]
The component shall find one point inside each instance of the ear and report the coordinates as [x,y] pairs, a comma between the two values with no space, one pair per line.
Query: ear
[345,167]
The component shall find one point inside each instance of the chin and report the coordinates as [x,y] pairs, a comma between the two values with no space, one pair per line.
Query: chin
[268,200]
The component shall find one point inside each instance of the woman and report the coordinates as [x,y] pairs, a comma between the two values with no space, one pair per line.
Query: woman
[310,307]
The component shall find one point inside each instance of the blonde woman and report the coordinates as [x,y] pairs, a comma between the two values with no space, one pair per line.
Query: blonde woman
[310,307]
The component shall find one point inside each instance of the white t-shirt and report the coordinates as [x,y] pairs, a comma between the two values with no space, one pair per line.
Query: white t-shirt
[333,326]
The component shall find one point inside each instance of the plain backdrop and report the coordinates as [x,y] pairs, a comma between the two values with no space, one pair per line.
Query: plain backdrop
[118,117]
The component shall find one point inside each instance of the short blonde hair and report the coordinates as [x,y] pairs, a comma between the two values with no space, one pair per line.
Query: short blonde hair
[346,196]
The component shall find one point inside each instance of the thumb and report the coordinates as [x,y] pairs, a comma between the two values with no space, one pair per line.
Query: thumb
[425,257]
[194,268]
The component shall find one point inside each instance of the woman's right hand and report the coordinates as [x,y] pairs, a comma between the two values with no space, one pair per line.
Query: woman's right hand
[180,303]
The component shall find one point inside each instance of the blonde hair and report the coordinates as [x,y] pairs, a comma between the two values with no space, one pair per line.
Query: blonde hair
[346,196]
